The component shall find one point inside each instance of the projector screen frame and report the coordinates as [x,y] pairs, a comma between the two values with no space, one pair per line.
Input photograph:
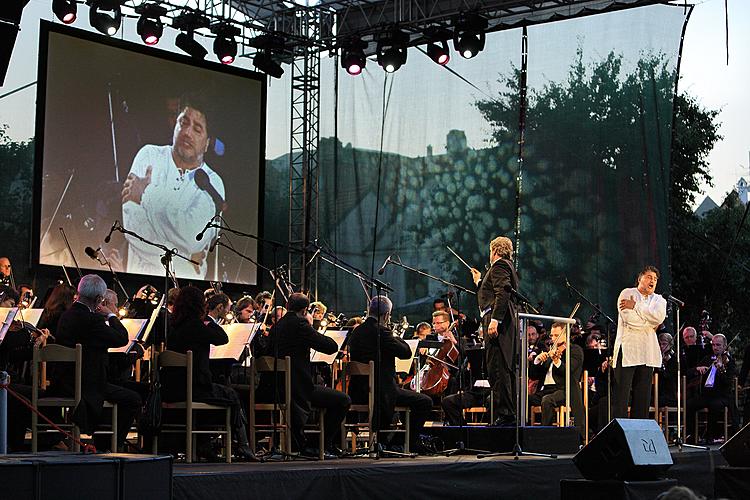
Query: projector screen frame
[48,29]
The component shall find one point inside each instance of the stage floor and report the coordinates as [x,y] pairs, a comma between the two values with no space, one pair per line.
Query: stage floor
[439,477]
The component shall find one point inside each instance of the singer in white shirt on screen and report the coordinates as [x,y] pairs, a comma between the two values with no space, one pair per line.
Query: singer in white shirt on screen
[162,202]
[636,351]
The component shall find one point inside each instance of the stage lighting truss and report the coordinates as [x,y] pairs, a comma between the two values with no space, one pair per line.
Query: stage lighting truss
[225,46]
[150,26]
[105,15]
[391,50]
[353,58]
[469,35]
[65,10]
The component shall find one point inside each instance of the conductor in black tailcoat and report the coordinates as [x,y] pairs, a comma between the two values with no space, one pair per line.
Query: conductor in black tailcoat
[500,326]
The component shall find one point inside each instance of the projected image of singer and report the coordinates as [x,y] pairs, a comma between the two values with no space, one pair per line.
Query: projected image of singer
[169,195]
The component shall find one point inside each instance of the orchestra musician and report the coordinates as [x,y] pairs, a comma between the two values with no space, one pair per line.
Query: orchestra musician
[192,332]
[636,351]
[549,368]
[93,324]
[499,319]
[363,348]
[294,336]
[716,373]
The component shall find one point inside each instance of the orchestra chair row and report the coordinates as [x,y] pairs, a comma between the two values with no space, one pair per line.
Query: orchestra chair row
[280,422]
[54,353]
[356,369]
[171,359]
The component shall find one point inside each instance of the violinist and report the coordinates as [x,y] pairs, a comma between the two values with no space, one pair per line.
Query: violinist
[717,373]
[668,371]
[244,310]
[549,368]
[318,311]
[363,348]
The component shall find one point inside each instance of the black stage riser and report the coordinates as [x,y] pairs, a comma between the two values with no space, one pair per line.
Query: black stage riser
[537,439]
[62,476]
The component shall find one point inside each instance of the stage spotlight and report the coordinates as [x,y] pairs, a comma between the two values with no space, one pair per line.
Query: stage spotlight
[391,50]
[188,21]
[186,43]
[263,61]
[225,46]
[353,58]
[65,10]
[438,52]
[469,36]
[150,27]
[105,16]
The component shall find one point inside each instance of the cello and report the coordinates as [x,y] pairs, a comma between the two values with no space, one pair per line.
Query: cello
[435,381]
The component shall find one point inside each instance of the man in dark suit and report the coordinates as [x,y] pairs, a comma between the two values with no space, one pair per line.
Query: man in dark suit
[549,368]
[716,374]
[90,323]
[294,336]
[499,324]
[363,348]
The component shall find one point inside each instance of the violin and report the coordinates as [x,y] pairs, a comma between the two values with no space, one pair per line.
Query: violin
[554,353]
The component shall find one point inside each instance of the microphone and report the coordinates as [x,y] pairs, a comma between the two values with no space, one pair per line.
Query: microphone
[568,286]
[111,230]
[204,184]
[94,254]
[214,243]
[382,268]
[199,236]
[675,301]
[515,292]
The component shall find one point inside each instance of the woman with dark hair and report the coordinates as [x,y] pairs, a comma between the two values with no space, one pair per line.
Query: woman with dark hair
[190,332]
[59,301]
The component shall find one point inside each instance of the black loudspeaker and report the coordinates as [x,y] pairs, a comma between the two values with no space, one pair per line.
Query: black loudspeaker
[628,449]
[736,451]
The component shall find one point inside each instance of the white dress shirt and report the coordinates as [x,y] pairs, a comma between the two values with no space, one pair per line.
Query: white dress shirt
[172,211]
[636,329]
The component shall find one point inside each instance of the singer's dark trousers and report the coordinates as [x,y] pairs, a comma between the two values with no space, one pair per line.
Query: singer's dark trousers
[637,378]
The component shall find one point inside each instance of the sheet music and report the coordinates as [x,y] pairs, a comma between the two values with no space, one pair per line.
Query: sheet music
[31,316]
[135,328]
[8,314]
[239,337]
[339,336]
[404,365]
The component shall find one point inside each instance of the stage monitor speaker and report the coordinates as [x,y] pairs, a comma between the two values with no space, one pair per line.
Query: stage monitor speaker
[625,449]
[736,451]
[10,21]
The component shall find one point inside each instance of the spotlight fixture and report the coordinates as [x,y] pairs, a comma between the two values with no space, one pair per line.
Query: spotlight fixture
[391,50]
[186,43]
[225,46]
[271,49]
[469,36]
[353,57]
[105,16]
[150,27]
[189,21]
[65,10]
[263,61]
[439,52]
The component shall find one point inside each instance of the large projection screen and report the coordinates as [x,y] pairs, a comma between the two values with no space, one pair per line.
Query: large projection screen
[153,140]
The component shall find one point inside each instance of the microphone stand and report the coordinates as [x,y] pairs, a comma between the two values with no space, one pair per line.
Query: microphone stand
[610,344]
[679,442]
[460,448]
[166,260]
[115,278]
